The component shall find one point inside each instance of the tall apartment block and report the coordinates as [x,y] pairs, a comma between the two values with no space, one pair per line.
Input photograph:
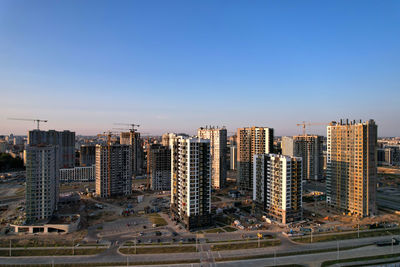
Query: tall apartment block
[132,138]
[218,148]
[42,184]
[287,146]
[159,165]
[310,149]
[277,186]
[191,181]
[352,166]
[87,155]
[113,170]
[251,141]
[65,141]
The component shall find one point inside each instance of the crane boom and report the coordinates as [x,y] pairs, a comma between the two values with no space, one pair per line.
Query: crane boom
[131,125]
[304,124]
[38,121]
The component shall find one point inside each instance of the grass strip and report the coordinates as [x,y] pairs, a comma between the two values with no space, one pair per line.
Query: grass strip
[106,263]
[368,258]
[339,236]
[283,254]
[234,246]
[157,250]
[51,252]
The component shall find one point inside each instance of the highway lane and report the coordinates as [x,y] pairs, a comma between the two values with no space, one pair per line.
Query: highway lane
[112,254]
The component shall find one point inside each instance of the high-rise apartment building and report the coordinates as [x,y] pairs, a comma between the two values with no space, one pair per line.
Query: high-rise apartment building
[42,184]
[113,170]
[287,146]
[132,138]
[277,186]
[65,141]
[159,165]
[191,181]
[87,156]
[310,149]
[352,166]
[251,141]
[218,148]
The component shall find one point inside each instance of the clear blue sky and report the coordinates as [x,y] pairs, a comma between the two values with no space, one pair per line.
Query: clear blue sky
[178,65]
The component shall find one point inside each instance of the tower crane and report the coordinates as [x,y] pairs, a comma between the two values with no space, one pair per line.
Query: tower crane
[38,121]
[131,125]
[304,124]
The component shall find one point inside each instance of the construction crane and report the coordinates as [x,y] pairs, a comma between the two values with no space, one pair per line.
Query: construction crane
[131,125]
[38,121]
[304,124]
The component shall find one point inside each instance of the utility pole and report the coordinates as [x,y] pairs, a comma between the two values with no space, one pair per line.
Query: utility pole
[10,247]
[73,246]
[135,245]
[392,244]
[338,256]
[311,234]
[274,257]
[358,230]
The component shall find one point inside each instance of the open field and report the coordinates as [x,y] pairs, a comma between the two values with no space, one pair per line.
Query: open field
[155,218]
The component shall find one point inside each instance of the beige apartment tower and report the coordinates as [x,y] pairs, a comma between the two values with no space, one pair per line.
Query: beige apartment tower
[218,140]
[251,141]
[352,166]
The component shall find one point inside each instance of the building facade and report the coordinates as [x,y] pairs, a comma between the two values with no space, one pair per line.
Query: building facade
[277,187]
[78,174]
[159,166]
[132,139]
[218,149]
[352,166]
[65,141]
[191,181]
[87,155]
[251,141]
[113,170]
[42,184]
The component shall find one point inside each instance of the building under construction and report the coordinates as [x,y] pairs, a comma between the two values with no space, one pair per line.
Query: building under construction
[65,141]
[310,149]
[132,138]
[113,170]
[159,166]
[277,187]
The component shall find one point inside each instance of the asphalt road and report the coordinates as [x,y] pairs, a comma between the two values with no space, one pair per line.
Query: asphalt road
[208,257]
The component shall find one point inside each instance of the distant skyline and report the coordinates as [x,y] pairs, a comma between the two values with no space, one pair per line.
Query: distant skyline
[175,66]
